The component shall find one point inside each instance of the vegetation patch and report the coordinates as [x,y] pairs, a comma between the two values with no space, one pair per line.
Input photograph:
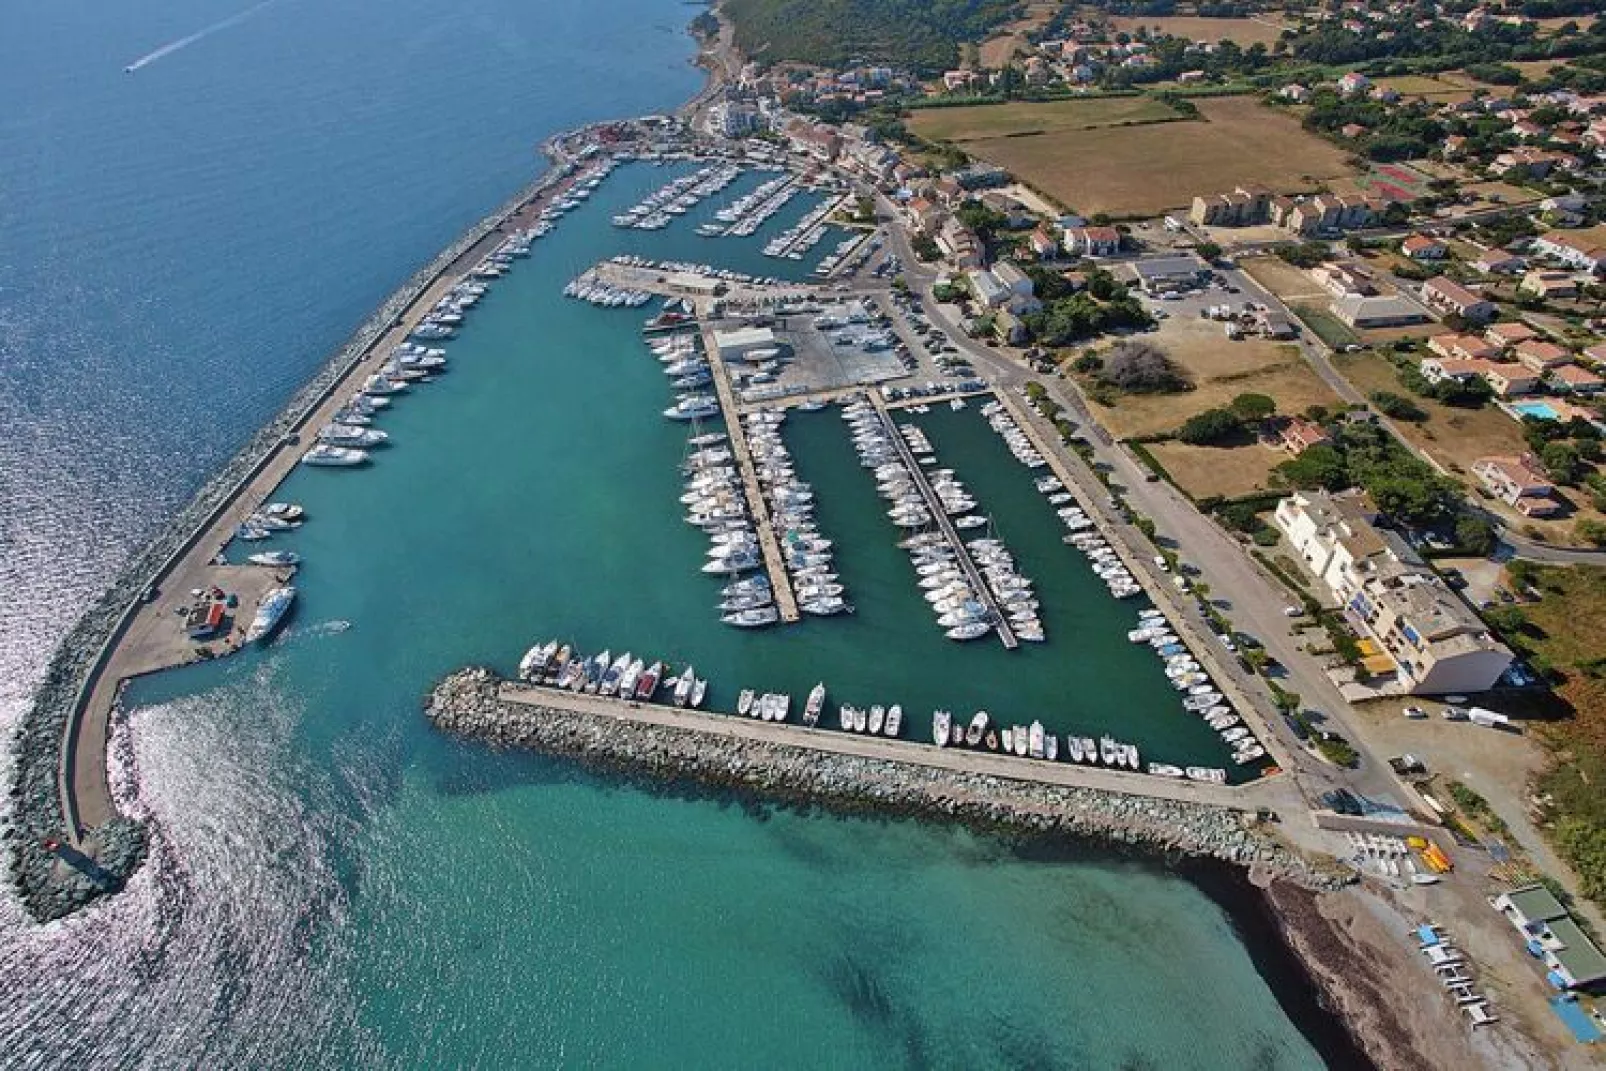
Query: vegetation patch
[922,35]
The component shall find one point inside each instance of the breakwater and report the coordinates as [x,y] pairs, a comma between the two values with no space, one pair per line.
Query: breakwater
[44,807]
[469,703]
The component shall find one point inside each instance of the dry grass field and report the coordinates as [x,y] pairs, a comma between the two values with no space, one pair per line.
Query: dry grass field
[1228,471]
[1019,117]
[1291,383]
[997,51]
[1220,370]
[1453,437]
[1193,28]
[1144,170]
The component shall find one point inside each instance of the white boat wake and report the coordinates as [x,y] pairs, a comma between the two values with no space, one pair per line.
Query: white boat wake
[185,42]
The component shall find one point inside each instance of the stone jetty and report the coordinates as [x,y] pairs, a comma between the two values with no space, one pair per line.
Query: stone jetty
[470,703]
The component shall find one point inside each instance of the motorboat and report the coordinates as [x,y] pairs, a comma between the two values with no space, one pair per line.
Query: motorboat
[271,611]
[815,703]
[894,722]
[941,723]
[978,725]
[744,702]
[336,456]
[683,686]
[275,558]
[878,718]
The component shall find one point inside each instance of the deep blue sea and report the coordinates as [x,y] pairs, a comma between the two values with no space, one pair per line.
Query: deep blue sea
[334,884]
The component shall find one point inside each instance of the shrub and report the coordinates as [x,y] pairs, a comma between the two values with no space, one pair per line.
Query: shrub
[1396,406]
[1253,408]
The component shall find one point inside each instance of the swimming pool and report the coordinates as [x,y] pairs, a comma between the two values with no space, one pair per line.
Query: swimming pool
[1539,410]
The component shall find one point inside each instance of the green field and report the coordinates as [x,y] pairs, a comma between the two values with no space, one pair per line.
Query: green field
[1020,117]
[1327,327]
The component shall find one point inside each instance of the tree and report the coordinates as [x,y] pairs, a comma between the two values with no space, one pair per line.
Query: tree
[1140,368]
[1209,427]
[1317,468]
[1475,535]
[1561,462]
[1253,408]
[1088,363]
[1396,406]
[1208,250]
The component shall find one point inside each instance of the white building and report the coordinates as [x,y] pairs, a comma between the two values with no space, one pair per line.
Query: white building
[1436,643]
[738,342]
[732,119]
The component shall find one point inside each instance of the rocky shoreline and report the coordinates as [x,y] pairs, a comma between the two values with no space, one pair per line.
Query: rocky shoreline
[50,888]
[466,704]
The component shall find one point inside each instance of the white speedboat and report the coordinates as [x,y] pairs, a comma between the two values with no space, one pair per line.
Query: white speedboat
[744,702]
[683,685]
[978,725]
[878,718]
[941,723]
[275,558]
[337,456]
[270,612]
[815,703]
[894,723]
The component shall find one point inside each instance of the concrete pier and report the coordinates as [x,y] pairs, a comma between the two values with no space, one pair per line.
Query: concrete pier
[978,583]
[768,541]
[734,728]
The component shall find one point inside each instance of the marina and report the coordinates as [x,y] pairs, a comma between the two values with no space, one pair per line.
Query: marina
[400,359]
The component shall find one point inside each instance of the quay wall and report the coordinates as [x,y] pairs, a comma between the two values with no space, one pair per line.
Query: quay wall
[43,800]
[468,704]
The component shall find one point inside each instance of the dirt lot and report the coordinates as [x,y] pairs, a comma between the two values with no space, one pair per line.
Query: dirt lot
[1289,283]
[1243,31]
[1015,118]
[1419,85]
[1228,471]
[1144,170]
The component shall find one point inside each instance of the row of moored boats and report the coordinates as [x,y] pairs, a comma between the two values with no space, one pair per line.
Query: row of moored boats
[350,437]
[1200,695]
[623,676]
[593,290]
[658,209]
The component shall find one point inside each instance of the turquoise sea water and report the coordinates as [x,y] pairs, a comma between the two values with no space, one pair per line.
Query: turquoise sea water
[337,885]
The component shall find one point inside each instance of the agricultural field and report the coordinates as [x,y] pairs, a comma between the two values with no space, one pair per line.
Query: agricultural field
[1264,30]
[1018,118]
[1227,471]
[1428,87]
[1142,171]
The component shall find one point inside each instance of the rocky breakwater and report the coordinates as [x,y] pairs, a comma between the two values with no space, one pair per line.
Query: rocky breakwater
[467,703]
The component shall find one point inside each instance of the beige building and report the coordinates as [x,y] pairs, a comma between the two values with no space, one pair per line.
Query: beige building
[1437,644]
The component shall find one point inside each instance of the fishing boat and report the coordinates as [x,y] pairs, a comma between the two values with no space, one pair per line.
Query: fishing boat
[270,612]
[816,701]
[941,723]
[978,725]
[744,702]
[894,720]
